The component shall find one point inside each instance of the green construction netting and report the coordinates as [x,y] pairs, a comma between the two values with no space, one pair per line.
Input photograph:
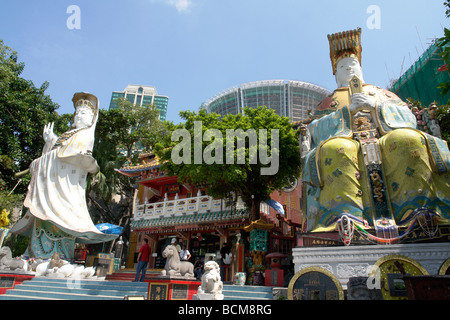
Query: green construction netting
[422,79]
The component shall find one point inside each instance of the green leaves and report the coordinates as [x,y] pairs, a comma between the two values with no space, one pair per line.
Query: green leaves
[443,114]
[121,134]
[444,44]
[135,127]
[24,110]
[231,154]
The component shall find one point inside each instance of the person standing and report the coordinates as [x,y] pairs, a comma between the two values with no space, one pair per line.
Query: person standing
[143,258]
[185,255]
[224,253]
[176,245]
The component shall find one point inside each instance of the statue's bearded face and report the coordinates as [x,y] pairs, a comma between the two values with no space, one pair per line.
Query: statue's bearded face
[83,117]
[346,68]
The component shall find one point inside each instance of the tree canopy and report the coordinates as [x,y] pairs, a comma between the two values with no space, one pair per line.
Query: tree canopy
[443,115]
[24,110]
[248,155]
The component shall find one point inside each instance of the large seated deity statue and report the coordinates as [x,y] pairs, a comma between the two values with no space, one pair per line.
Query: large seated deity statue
[57,215]
[365,159]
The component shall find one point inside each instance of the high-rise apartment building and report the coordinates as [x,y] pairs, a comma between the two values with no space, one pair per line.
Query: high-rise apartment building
[142,95]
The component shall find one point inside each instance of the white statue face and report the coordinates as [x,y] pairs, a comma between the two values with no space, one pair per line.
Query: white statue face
[346,68]
[83,118]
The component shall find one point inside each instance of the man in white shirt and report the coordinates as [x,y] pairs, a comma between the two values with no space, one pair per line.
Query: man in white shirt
[185,255]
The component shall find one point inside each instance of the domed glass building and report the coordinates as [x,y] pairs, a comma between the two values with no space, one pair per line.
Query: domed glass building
[293,99]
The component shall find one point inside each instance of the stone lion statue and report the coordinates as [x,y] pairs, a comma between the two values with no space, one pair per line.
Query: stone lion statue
[174,266]
[211,283]
[8,262]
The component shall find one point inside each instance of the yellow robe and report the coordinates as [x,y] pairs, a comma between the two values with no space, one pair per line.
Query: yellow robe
[372,166]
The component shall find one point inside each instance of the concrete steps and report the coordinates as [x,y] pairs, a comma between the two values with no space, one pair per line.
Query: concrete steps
[41,288]
[230,291]
[235,292]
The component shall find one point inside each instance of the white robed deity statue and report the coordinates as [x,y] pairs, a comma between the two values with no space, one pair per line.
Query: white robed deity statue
[57,215]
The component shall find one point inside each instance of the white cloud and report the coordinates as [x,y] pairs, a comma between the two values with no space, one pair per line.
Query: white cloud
[182,6]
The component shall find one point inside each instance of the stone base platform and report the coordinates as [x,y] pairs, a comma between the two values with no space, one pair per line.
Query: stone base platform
[356,261]
[172,288]
[9,279]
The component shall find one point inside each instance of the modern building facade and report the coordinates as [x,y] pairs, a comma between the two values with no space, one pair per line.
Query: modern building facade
[293,99]
[142,95]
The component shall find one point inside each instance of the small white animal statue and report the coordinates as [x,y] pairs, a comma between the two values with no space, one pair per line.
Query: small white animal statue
[211,283]
[8,262]
[174,266]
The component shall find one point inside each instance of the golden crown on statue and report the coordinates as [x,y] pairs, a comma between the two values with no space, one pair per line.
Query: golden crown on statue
[345,44]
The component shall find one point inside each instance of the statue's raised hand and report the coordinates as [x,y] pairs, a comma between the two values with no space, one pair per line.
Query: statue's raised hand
[49,135]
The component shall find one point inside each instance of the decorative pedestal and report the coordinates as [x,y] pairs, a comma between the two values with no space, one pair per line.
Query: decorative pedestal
[357,261]
[8,280]
[274,278]
[172,288]
[275,275]
[46,239]
[208,296]
[259,236]
[239,278]
[238,265]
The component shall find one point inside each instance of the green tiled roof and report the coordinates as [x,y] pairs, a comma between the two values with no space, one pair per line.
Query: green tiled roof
[200,218]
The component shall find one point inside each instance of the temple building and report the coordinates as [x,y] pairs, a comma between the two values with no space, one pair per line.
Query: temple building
[165,209]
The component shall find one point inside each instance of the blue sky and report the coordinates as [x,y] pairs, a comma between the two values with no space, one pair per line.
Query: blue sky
[191,50]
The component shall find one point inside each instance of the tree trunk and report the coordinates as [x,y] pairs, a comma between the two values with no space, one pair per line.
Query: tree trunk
[255,214]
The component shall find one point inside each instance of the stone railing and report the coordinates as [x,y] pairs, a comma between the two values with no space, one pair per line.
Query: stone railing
[181,207]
